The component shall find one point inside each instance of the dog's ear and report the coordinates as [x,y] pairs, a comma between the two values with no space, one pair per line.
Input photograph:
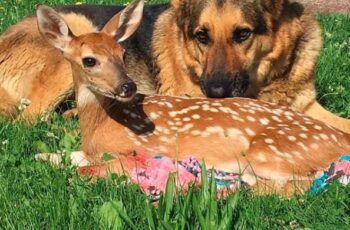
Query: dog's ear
[178,4]
[274,7]
[183,10]
[125,23]
[53,27]
[182,6]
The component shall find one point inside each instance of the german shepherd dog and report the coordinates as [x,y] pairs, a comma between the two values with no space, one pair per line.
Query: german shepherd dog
[265,49]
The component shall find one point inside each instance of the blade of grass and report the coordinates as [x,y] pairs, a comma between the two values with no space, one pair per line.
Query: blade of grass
[150,216]
[169,197]
[120,209]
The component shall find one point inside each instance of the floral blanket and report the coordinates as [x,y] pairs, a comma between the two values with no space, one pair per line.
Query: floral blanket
[152,179]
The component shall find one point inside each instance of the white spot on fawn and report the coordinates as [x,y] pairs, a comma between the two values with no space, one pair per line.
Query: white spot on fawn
[250,132]
[287,113]
[269,141]
[251,111]
[196,116]
[303,146]
[196,132]
[186,127]
[334,138]
[264,121]
[281,132]
[251,119]
[324,136]
[172,113]
[276,118]
[214,129]
[216,104]
[289,118]
[137,143]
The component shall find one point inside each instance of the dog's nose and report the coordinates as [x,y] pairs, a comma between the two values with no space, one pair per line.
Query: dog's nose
[128,89]
[221,85]
[217,91]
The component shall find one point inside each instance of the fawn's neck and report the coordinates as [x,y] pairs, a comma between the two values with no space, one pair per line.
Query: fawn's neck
[96,110]
[92,107]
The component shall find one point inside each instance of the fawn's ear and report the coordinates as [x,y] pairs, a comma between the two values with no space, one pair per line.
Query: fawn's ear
[125,23]
[53,27]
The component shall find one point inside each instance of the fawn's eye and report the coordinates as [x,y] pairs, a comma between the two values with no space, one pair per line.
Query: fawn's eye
[124,56]
[241,34]
[202,36]
[89,62]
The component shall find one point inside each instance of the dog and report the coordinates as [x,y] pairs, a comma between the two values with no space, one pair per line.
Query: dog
[264,49]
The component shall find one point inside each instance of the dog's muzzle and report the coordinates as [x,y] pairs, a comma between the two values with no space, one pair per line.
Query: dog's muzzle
[224,85]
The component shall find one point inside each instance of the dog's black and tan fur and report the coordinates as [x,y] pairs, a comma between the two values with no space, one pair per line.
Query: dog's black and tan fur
[265,49]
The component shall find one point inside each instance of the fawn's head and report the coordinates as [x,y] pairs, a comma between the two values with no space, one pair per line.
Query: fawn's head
[98,57]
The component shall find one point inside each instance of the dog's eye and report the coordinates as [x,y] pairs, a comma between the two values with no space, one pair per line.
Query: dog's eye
[89,62]
[240,35]
[202,36]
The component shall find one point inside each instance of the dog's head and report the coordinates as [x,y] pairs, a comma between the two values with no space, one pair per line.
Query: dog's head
[225,40]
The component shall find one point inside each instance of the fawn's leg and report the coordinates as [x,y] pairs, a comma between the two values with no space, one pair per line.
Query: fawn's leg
[78,158]
[276,168]
[7,104]
[122,164]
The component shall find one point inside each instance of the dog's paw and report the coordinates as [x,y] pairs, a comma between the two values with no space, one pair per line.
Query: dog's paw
[70,114]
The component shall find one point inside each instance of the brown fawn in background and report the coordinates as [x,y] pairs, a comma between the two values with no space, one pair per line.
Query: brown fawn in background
[261,140]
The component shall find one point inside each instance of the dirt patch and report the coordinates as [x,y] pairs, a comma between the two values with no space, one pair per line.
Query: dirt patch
[340,6]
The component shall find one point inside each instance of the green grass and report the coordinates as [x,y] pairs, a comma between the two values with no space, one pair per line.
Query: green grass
[34,195]
[333,69]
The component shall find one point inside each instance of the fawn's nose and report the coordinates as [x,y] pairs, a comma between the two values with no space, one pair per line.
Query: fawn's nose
[127,89]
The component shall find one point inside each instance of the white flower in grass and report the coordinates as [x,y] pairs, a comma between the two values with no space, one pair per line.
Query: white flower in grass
[345,180]
[23,104]
[45,117]
[5,142]
[50,134]
[328,35]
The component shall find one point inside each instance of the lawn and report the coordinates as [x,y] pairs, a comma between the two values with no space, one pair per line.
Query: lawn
[34,195]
